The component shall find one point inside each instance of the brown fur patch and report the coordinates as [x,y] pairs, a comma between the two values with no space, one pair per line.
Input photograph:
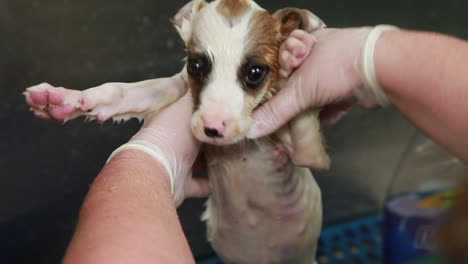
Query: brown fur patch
[200,5]
[265,43]
[290,20]
[190,45]
[196,86]
[295,18]
[233,8]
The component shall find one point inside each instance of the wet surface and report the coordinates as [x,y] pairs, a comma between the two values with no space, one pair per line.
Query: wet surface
[46,168]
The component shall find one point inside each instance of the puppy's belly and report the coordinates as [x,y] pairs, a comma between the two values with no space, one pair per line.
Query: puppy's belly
[263,209]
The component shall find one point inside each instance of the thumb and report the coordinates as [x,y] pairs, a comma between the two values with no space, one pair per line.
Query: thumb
[286,104]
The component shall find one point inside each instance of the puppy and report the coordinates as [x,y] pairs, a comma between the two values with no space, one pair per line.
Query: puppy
[265,206]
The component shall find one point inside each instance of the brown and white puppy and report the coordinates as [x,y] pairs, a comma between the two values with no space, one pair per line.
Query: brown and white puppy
[232,62]
[264,208]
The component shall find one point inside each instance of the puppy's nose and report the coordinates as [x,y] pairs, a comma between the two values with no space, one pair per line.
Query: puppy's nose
[214,129]
[213,133]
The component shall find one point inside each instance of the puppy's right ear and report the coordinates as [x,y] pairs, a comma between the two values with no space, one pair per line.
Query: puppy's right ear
[182,21]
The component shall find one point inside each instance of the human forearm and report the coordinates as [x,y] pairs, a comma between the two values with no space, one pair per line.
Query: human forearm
[425,75]
[129,216]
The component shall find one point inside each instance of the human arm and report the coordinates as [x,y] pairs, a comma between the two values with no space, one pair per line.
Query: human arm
[129,215]
[408,65]
[425,76]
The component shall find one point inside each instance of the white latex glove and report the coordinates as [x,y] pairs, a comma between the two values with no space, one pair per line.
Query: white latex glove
[167,136]
[332,75]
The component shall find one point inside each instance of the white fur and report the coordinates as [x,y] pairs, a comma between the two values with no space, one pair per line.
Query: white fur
[224,41]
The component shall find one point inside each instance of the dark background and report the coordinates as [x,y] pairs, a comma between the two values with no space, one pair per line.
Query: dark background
[46,167]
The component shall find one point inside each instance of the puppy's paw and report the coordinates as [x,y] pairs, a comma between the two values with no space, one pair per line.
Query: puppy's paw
[49,102]
[294,51]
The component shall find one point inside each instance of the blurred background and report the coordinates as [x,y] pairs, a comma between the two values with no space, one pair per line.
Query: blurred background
[46,167]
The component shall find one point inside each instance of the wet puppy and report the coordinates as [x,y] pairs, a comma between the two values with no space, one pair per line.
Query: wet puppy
[263,208]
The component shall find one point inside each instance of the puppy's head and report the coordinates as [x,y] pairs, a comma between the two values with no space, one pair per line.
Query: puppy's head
[232,61]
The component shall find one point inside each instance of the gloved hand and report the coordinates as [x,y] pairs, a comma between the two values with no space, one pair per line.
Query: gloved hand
[167,136]
[331,76]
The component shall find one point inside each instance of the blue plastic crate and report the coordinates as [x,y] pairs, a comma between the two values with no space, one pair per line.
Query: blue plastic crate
[355,242]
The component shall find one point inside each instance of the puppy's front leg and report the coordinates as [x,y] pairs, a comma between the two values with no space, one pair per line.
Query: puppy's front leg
[120,101]
[302,137]
[304,142]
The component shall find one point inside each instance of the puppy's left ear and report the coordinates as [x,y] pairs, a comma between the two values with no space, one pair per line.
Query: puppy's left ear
[295,18]
[182,21]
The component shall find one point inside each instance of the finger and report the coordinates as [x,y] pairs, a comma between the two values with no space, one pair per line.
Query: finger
[197,188]
[180,83]
[280,109]
[307,38]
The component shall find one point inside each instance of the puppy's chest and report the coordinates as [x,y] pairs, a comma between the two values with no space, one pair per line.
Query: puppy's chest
[246,176]
[256,208]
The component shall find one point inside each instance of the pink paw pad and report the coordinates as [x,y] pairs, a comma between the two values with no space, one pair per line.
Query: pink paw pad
[61,113]
[55,98]
[102,117]
[48,102]
[38,98]
[294,51]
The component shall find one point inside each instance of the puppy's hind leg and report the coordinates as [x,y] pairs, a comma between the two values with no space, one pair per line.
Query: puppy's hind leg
[110,100]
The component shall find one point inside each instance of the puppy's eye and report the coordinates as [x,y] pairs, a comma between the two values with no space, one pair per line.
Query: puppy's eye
[255,75]
[197,67]
[194,65]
